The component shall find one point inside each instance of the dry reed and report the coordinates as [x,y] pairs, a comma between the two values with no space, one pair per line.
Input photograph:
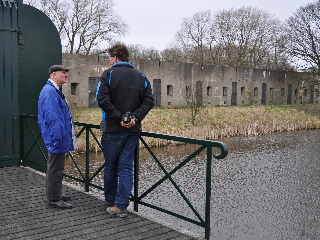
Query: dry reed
[214,123]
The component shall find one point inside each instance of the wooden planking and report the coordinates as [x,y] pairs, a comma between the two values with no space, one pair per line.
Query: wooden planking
[25,214]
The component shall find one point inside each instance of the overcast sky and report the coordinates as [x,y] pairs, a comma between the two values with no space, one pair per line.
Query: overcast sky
[154,23]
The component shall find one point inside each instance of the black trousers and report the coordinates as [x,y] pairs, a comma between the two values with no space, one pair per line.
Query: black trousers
[54,176]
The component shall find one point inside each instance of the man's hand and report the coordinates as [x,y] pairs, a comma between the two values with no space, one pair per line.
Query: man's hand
[130,124]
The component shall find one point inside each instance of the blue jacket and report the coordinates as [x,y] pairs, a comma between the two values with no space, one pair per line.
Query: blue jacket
[55,120]
[103,114]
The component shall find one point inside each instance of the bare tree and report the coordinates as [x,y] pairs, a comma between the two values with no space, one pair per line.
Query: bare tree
[245,37]
[195,35]
[238,37]
[84,25]
[194,100]
[303,37]
[137,51]
[194,108]
[173,54]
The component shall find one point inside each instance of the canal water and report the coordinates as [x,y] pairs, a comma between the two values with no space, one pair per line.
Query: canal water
[268,187]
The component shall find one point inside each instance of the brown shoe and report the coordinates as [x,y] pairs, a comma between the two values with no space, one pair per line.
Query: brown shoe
[114,210]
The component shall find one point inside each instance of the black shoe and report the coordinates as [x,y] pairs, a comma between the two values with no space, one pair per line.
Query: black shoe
[65,197]
[60,204]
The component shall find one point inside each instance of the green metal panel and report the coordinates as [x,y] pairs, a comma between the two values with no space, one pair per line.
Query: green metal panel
[29,45]
[9,117]
[39,48]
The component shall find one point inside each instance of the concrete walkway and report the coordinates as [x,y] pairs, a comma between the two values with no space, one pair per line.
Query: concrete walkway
[24,214]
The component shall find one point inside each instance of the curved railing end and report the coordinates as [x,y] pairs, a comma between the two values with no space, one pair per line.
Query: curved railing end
[224,151]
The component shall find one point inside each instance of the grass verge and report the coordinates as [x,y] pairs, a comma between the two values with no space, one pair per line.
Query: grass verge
[215,123]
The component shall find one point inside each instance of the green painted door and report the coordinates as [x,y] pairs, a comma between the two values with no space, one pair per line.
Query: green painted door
[29,45]
[39,48]
[9,113]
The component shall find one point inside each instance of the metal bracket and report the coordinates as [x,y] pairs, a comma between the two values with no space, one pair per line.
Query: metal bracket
[20,37]
[18,30]
[8,29]
[9,3]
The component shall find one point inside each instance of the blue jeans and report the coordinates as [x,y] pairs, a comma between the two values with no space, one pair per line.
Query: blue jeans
[118,150]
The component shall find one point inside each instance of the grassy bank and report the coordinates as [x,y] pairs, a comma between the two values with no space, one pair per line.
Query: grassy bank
[217,122]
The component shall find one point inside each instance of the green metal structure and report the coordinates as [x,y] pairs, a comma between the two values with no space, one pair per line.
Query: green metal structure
[29,45]
[87,175]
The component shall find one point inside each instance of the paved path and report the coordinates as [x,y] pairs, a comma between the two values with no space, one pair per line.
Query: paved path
[24,214]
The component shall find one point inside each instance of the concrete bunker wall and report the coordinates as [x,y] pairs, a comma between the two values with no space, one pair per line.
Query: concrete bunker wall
[213,85]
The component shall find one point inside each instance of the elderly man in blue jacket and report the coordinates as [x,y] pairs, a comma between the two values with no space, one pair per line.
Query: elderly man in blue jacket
[56,125]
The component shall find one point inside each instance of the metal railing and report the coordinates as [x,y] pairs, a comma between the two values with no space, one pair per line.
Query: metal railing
[87,179]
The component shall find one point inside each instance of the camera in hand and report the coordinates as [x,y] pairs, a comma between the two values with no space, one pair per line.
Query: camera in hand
[126,117]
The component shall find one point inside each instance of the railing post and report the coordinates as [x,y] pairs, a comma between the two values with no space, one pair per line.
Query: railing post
[136,178]
[21,141]
[208,193]
[87,160]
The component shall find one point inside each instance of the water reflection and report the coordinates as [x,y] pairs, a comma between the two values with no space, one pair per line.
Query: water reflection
[266,188]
